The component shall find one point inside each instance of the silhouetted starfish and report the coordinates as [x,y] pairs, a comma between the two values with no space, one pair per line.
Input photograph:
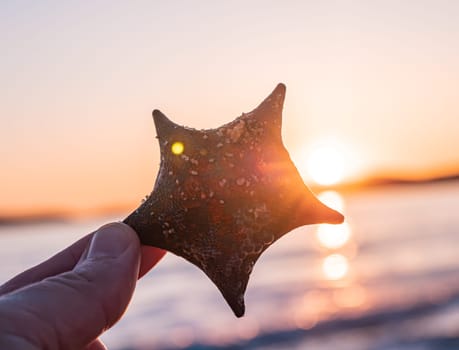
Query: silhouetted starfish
[223,196]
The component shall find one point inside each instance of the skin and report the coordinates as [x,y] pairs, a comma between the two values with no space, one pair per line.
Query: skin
[69,300]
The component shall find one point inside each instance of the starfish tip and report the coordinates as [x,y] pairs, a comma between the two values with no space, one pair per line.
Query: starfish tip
[239,313]
[236,304]
[281,88]
[336,218]
[157,113]
[162,123]
[327,215]
[278,93]
[271,107]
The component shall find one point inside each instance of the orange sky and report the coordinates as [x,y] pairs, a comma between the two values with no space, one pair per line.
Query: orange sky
[79,82]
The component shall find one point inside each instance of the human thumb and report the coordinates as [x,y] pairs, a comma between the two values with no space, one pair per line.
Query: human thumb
[69,310]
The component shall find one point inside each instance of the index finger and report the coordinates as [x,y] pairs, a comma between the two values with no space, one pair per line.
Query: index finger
[149,258]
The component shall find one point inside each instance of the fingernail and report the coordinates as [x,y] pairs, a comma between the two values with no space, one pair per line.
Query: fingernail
[111,240]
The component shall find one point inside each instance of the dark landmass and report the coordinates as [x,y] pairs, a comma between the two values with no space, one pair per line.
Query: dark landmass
[376,182]
[33,219]
[395,181]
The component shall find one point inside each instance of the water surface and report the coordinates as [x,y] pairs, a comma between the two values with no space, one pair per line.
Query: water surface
[388,278]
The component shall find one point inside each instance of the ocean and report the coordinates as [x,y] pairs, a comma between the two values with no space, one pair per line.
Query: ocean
[386,279]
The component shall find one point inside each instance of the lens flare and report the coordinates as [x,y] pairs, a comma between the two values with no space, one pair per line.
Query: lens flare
[177,148]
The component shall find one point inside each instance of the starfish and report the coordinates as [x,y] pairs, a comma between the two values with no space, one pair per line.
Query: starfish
[223,196]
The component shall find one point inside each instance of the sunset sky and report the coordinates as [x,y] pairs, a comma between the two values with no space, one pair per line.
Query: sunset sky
[375,81]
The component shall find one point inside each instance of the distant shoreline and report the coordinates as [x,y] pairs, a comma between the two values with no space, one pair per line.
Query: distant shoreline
[33,219]
[377,182]
[47,218]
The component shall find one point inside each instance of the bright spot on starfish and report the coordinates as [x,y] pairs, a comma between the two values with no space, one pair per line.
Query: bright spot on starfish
[335,267]
[325,164]
[177,148]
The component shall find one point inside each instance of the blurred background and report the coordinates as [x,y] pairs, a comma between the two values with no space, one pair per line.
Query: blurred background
[371,120]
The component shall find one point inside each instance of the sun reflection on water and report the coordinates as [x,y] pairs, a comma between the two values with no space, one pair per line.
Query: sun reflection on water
[335,267]
[351,297]
[338,291]
[340,247]
[333,236]
[332,199]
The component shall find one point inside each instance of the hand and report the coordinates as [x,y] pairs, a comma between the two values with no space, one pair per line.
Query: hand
[67,301]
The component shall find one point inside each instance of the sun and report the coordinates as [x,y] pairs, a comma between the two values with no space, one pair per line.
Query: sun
[325,164]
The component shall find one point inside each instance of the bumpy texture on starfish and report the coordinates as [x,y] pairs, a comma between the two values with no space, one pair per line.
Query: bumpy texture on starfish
[223,196]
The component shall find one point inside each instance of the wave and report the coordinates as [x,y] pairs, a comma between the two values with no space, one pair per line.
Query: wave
[293,338]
